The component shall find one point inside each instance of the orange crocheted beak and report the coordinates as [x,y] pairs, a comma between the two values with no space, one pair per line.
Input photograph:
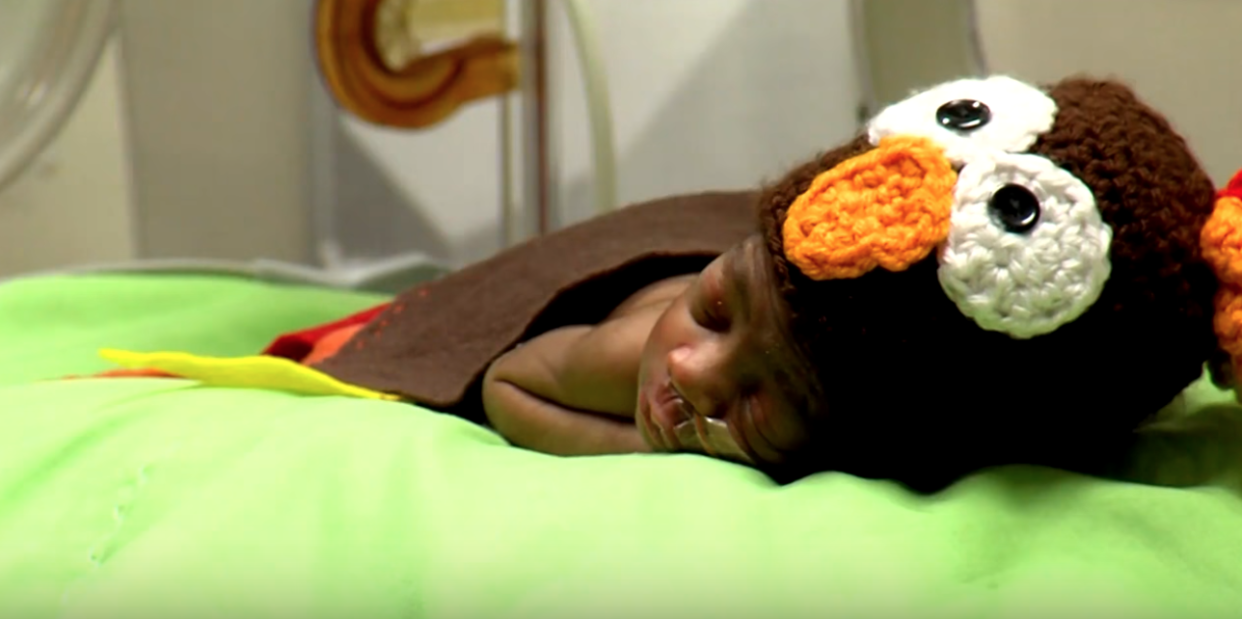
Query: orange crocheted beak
[887,208]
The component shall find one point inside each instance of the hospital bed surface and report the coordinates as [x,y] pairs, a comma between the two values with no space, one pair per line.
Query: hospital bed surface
[159,498]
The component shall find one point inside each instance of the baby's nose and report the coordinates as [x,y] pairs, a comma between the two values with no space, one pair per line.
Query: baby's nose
[701,378]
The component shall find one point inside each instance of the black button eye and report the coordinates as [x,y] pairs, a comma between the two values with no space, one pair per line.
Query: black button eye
[1015,208]
[963,115]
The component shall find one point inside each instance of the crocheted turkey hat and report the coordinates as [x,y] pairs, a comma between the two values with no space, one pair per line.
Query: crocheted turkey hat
[993,267]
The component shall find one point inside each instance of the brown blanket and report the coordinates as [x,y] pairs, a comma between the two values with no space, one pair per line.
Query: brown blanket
[434,343]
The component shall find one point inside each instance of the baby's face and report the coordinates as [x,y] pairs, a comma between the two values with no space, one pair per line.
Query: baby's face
[719,372]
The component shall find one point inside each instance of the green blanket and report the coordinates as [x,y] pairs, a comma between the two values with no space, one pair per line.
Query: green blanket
[157,498]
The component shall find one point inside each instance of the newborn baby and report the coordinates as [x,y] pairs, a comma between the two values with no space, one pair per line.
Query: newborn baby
[700,362]
[991,273]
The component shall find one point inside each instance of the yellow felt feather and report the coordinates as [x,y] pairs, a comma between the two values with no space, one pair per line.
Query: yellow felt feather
[254,372]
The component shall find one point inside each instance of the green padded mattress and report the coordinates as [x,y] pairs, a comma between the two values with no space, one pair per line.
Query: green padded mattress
[135,498]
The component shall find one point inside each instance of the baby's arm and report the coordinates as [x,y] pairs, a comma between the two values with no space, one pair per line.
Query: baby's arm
[571,391]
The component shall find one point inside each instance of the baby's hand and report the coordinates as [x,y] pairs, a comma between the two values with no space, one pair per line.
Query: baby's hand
[569,391]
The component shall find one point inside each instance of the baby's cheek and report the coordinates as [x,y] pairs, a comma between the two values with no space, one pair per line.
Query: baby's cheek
[745,425]
[665,335]
[781,427]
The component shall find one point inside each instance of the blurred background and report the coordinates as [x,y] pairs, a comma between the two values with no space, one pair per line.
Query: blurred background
[206,130]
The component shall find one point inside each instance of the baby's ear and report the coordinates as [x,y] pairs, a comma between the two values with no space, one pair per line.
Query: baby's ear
[1221,241]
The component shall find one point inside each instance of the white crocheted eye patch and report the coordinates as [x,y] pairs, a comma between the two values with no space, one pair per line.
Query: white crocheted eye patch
[1033,281]
[1019,114]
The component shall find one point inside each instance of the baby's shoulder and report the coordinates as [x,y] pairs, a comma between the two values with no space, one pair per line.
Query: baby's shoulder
[661,292]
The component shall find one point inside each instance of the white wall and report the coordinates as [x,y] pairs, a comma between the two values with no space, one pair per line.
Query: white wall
[74,204]
[723,93]
[208,105]
[707,94]
[1183,56]
[218,94]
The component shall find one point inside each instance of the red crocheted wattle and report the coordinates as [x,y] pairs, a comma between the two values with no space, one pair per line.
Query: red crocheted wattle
[1234,188]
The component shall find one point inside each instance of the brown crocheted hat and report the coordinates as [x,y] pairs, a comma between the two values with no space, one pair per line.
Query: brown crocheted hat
[993,270]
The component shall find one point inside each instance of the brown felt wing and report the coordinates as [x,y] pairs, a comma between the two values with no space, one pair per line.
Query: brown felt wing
[435,342]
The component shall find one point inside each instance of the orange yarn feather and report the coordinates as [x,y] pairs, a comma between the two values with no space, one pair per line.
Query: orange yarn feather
[888,207]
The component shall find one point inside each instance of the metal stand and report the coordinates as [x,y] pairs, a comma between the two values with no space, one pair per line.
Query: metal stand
[538,160]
